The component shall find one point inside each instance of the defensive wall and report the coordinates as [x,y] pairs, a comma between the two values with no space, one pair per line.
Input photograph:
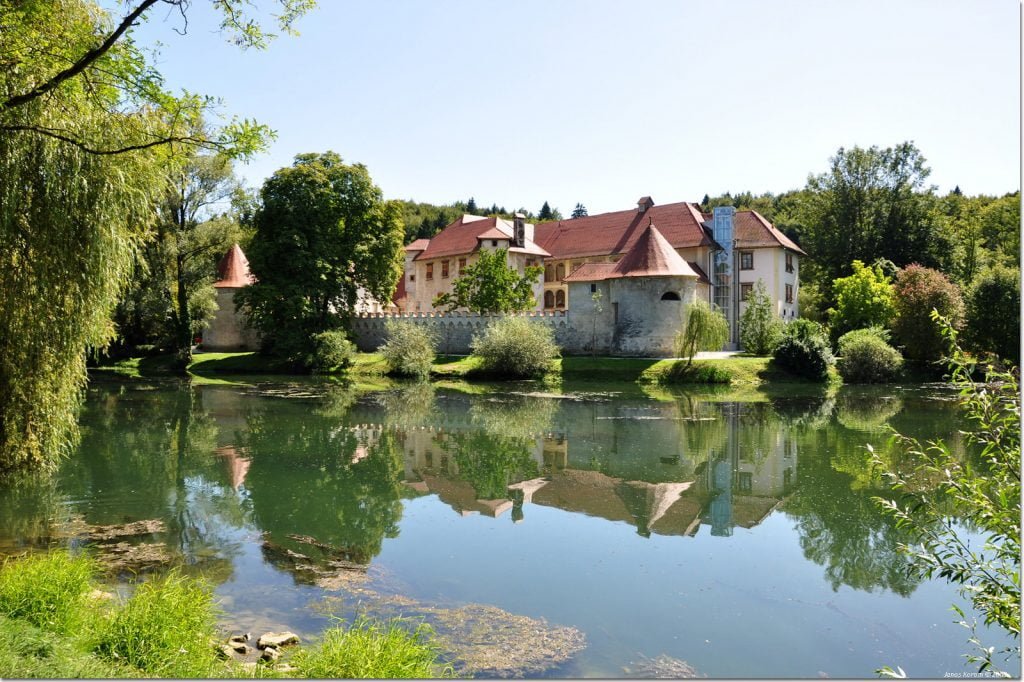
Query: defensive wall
[454,331]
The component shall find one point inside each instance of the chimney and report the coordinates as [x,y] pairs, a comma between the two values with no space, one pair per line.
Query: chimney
[643,204]
[519,230]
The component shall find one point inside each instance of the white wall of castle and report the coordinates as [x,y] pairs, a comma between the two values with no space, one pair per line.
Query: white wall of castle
[770,267]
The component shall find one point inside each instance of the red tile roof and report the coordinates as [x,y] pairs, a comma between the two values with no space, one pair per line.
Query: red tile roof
[233,269]
[418,245]
[752,230]
[650,256]
[616,232]
[462,237]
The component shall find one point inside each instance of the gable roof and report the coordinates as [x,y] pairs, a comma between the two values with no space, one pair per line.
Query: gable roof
[233,269]
[418,245]
[617,232]
[752,230]
[463,236]
[650,256]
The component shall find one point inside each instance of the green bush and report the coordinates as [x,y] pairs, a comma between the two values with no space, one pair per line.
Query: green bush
[703,328]
[760,328]
[866,358]
[166,629]
[993,313]
[47,590]
[409,350]
[332,351]
[865,298]
[804,350]
[369,650]
[515,347]
[697,373]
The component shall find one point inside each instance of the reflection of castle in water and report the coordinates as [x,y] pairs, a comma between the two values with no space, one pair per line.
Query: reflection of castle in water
[724,468]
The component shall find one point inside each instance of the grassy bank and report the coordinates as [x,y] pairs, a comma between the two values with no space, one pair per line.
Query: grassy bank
[56,623]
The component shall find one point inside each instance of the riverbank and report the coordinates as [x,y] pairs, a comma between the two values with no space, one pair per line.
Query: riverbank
[370,368]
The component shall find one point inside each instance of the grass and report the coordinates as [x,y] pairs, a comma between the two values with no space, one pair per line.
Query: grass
[372,650]
[52,627]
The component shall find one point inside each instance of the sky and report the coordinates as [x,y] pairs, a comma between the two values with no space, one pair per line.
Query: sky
[601,102]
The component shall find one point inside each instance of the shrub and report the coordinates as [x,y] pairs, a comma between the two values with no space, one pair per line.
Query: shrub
[369,650]
[919,290]
[865,357]
[698,373]
[864,299]
[993,313]
[409,350]
[804,350]
[703,328]
[47,590]
[166,629]
[515,347]
[332,351]
[760,329]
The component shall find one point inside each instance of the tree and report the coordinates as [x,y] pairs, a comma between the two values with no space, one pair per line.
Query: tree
[548,213]
[703,328]
[760,329]
[323,234]
[864,299]
[872,203]
[983,491]
[471,206]
[580,211]
[489,285]
[993,313]
[919,291]
[84,126]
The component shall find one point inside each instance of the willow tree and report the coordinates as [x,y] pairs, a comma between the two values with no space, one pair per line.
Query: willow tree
[86,130]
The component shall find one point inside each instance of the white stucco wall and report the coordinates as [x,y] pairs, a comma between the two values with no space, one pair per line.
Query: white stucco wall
[770,267]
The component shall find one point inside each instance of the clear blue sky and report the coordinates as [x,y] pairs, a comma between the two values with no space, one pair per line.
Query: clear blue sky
[601,102]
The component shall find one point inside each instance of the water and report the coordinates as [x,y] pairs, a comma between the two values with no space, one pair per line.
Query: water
[735,533]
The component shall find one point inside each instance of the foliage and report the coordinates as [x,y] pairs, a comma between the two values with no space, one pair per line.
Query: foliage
[85,124]
[983,491]
[870,205]
[580,211]
[32,653]
[804,350]
[993,313]
[866,358]
[919,290]
[409,350]
[515,347]
[864,299]
[323,234]
[489,285]
[548,213]
[811,302]
[332,351]
[703,329]
[695,373]
[760,329]
[165,629]
[47,590]
[367,649]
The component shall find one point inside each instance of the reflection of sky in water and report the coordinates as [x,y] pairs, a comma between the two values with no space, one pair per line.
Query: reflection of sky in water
[739,538]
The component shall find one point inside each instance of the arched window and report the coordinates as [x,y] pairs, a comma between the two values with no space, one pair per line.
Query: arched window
[549,298]
[559,298]
[560,272]
[670,296]
[549,273]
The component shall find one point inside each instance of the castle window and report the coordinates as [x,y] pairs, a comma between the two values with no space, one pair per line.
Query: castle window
[430,271]
[789,262]
[549,299]
[462,265]
[746,260]
[745,291]
[494,242]
[549,273]
[559,272]
[559,299]
[593,288]
[789,293]
[670,296]
[444,269]
[412,277]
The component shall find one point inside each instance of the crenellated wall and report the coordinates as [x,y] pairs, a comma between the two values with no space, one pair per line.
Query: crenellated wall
[455,330]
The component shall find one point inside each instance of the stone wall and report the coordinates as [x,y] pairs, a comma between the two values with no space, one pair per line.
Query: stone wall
[454,331]
[227,330]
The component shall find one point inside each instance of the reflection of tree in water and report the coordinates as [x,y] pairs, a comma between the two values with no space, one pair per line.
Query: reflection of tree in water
[515,417]
[840,527]
[809,411]
[29,505]
[313,477]
[860,411]
[409,406]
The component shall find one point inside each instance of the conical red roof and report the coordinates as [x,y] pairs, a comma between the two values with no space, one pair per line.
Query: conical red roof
[233,269]
[652,256]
